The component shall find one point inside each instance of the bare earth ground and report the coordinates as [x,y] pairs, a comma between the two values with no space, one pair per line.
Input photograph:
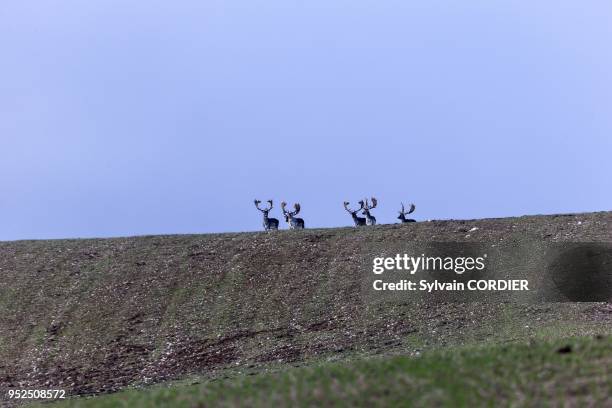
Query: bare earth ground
[96,316]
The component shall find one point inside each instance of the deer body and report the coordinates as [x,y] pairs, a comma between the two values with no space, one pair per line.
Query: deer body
[268,223]
[295,223]
[359,221]
[370,219]
[290,216]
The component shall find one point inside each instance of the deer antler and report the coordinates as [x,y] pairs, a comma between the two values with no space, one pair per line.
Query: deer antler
[257,202]
[346,203]
[368,206]
[410,210]
[291,213]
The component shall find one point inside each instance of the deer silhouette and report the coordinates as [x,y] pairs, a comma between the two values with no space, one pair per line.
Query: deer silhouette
[403,213]
[290,216]
[268,223]
[359,221]
[370,220]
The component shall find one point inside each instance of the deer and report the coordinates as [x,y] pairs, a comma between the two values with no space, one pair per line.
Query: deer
[290,216]
[370,220]
[403,213]
[268,223]
[359,221]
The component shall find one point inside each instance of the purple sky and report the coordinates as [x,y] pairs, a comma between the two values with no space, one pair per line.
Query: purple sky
[146,117]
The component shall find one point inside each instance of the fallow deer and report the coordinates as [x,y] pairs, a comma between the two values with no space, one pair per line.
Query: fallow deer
[370,220]
[403,213]
[359,221]
[290,216]
[268,223]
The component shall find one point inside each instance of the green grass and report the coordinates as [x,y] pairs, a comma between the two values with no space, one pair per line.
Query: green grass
[493,375]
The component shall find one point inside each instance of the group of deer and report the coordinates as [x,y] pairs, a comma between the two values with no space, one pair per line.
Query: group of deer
[369,219]
[298,223]
[290,216]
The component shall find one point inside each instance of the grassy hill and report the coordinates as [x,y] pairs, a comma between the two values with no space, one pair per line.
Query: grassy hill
[96,316]
[572,372]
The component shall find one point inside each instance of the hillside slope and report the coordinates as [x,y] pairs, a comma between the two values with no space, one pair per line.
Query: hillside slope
[572,372]
[97,315]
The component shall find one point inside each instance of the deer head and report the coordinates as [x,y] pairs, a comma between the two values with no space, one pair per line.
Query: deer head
[290,214]
[367,206]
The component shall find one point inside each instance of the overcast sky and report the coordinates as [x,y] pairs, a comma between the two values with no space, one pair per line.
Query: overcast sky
[146,117]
